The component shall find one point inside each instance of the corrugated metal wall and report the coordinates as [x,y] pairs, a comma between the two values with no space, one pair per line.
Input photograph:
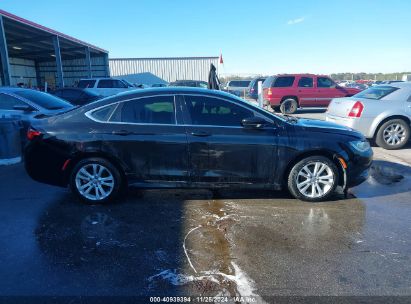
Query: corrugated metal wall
[169,69]
[73,70]
[23,71]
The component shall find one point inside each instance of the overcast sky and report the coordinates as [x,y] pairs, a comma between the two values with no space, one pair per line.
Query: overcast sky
[261,37]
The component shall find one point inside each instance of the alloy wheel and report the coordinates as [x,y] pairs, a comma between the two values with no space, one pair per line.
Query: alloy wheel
[315,180]
[394,134]
[94,182]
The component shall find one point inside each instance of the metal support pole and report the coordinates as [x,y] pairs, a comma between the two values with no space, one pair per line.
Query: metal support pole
[59,64]
[38,77]
[4,54]
[88,62]
[260,94]
[107,65]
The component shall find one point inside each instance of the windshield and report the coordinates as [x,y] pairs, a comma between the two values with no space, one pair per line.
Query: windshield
[377,92]
[44,100]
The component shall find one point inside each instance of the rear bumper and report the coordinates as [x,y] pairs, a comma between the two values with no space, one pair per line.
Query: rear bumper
[273,101]
[359,124]
[44,164]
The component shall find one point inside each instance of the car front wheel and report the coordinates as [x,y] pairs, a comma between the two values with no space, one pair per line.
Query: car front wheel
[313,179]
[393,134]
[95,181]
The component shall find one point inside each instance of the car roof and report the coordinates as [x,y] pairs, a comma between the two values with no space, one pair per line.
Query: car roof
[405,84]
[131,94]
[13,89]
[306,74]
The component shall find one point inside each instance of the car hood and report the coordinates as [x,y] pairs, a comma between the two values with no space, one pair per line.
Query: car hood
[316,125]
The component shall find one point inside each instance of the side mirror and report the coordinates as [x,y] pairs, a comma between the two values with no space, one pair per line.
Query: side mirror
[254,122]
[24,108]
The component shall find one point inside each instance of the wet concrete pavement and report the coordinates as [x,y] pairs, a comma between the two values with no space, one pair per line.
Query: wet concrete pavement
[189,242]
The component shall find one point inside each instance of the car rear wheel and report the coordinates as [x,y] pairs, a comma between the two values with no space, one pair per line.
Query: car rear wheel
[313,179]
[95,181]
[289,106]
[393,134]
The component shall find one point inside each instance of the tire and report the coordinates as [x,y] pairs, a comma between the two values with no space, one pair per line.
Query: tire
[102,177]
[299,174]
[393,134]
[289,106]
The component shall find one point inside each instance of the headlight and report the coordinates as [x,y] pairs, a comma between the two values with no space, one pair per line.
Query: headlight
[360,146]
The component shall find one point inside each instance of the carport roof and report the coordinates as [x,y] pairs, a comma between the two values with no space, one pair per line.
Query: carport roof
[29,40]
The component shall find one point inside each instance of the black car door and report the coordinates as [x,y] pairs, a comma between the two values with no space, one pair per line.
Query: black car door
[145,134]
[221,149]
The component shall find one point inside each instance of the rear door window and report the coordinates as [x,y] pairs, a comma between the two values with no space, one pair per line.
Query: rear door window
[305,82]
[283,82]
[149,110]
[103,114]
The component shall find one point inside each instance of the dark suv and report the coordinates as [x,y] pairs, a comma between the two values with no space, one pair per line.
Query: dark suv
[252,90]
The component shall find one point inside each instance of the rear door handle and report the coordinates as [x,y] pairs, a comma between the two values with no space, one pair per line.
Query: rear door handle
[200,134]
[122,132]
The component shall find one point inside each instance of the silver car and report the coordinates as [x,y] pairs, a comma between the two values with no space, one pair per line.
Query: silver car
[381,113]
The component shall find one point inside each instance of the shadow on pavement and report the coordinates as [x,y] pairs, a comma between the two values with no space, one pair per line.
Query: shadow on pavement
[112,250]
[385,179]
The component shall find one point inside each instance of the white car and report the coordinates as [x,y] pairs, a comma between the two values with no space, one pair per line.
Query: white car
[381,113]
[105,86]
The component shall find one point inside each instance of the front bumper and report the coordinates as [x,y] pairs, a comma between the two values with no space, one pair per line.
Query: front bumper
[358,167]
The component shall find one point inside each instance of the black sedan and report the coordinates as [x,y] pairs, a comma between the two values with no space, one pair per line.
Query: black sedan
[190,137]
[76,96]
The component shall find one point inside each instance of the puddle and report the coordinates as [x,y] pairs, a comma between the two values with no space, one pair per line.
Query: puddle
[212,269]
[385,175]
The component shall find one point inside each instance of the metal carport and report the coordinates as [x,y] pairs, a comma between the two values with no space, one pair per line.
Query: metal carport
[33,54]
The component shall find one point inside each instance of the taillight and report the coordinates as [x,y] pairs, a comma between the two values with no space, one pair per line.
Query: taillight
[269,92]
[356,110]
[32,134]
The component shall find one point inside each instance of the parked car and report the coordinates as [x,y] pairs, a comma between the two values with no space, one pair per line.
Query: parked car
[252,90]
[26,104]
[158,85]
[190,137]
[76,96]
[104,86]
[237,87]
[189,83]
[406,77]
[355,85]
[381,113]
[344,83]
[391,81]
[375,83]
[302,90]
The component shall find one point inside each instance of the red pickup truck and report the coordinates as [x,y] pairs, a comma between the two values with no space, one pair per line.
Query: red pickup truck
[302,90]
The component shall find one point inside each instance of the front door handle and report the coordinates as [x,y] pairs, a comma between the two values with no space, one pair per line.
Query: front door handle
[200,134]
[121,132]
